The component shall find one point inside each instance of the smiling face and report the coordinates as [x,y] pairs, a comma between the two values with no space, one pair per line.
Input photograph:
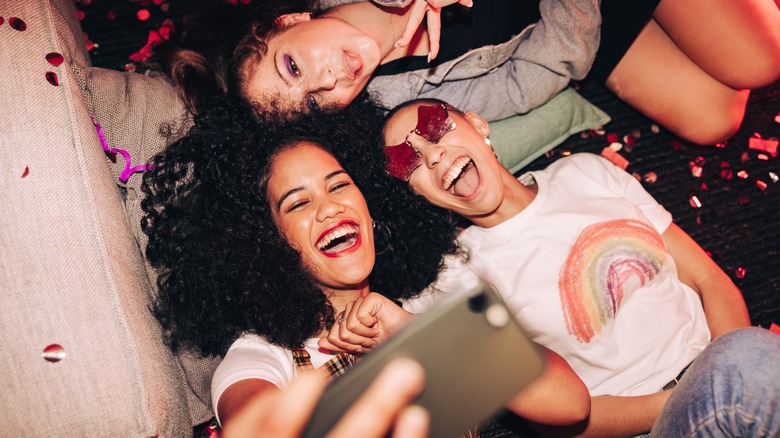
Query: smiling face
[323,215]
[458,172]
[313,63]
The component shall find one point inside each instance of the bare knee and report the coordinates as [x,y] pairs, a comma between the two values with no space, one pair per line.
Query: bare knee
[709,126]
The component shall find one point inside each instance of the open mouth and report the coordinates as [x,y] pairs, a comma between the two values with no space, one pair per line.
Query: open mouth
[338,239]
[462,179]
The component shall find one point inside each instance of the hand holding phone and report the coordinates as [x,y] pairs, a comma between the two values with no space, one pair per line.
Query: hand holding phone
[475,358]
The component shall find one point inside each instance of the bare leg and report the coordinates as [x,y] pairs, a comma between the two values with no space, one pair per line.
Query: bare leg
[689,67]
[658,79]
[735,41]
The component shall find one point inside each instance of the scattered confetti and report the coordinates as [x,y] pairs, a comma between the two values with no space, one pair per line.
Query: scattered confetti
[773,176]
[655,129]
[744,199]
[743,174]
[761,184]
[629,139]
[777,117]
[143,14]
[52,78]
[726,173]
[694,201]
[617,159]
[80,15]
[650,177]
[612,137]
[54,59]
[111,15]
[26,172]
[744,157]
[721,145]
[740,272]
[17,23]
[2,21]
[676,145]
[768,145]
[774,328]
[615,146]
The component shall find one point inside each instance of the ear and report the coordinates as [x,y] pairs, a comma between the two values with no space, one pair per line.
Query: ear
[480,124]
[288,20]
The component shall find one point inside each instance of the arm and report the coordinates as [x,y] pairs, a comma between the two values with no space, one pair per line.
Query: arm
[385,405]
[557,397]
[724,306]
[637,415]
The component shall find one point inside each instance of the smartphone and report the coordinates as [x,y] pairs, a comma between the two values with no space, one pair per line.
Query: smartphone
[475,358]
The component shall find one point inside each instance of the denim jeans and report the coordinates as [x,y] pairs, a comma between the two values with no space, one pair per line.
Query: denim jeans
[731,390]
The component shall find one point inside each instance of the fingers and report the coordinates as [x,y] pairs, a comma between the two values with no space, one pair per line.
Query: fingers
[416,15]
[413,422]
[433,17]
[390,393]
[278,413]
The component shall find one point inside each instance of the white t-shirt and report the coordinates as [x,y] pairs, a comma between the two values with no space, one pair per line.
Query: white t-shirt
[252,357]
[587,274]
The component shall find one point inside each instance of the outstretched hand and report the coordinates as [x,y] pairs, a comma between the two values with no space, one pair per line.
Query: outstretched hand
[385,405]
[431,11]
[364,324]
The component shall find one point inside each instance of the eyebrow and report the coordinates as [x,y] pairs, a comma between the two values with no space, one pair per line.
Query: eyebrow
[299,188]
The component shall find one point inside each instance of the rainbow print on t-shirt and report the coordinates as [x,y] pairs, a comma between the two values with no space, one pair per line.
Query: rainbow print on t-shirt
[602,262]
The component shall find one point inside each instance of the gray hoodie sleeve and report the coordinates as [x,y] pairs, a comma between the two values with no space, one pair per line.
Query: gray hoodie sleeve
[515,77]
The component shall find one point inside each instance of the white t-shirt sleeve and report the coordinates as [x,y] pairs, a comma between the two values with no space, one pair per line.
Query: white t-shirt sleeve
[251,357]
[448,282]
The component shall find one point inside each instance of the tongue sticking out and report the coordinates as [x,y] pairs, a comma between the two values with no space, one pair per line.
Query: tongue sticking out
[467,181]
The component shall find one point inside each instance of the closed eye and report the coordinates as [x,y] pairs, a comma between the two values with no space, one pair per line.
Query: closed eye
[297,205]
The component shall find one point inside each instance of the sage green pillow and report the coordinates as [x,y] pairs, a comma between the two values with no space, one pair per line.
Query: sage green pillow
[518,140]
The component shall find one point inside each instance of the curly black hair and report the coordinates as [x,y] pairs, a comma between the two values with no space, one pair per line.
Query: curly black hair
[224,268]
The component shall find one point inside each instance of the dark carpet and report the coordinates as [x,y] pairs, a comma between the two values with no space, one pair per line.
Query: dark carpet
[738,221]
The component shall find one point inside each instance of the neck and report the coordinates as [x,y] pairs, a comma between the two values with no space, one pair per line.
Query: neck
[385,26]
[516,198]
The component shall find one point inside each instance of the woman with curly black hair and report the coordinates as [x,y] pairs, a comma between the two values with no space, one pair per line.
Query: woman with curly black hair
[238,254]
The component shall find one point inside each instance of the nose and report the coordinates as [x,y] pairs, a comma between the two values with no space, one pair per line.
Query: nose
[325,81]
[328,208]
[431,153]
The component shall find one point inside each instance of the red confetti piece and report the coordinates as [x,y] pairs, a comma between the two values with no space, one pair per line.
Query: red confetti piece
[17,23]
[762,185]
[777,117]
[111,15]
[54,59]
[744,199]
[768,145]
[774,328]
[26,172]
[143,14]
[743,174]
[612,137]
[744,157]
[696,170]
[694,201]
[763,157]
[52,78]
[165,7]
[726,174]
[2,20]
[616,159]
[629,140]
[704,186]
[146,51]
[740,272]
[80,15]
[158,2]
[721,145]
[676,145]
